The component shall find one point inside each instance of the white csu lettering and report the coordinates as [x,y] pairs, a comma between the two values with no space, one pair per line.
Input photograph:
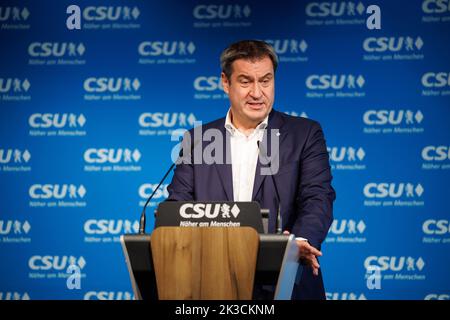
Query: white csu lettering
[199,210]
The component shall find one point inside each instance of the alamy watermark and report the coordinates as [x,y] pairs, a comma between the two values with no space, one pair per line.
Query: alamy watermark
[373,22]
[373,278]
[217,148]
[74,280]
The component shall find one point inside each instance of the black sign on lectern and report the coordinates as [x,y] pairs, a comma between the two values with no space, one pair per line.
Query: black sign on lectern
[209,214]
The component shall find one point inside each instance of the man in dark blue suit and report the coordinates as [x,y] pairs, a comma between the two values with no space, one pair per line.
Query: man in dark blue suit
[301,183]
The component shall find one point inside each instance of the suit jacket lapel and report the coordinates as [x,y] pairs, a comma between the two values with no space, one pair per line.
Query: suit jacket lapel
[275,122]
[225,170]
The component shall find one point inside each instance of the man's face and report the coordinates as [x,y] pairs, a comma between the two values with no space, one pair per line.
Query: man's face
[251,91]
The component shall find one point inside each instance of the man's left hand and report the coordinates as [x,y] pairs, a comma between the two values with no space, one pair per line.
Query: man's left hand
[308,254]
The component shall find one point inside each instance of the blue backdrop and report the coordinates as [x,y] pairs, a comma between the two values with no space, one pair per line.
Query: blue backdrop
[86,118]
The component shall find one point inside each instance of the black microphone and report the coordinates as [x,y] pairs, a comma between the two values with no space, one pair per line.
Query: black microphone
[143,215]
[278,222]
[142,220]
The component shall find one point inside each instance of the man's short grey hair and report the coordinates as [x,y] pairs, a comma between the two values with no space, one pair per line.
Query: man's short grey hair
[249,50]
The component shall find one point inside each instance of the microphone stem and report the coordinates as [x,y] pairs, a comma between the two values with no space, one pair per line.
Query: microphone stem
[142,220]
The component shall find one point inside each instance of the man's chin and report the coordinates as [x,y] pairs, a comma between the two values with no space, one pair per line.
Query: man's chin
[257,115]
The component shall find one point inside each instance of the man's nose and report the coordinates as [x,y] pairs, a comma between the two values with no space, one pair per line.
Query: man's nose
[255,90]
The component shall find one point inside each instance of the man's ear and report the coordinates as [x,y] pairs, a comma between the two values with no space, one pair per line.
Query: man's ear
[225,83]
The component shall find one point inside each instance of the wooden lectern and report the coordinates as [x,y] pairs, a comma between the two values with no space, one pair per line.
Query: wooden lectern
[205,263]
[183,263]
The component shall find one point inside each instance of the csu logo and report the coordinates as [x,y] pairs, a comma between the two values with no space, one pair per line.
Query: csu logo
[392,190]
[333,81]
[55,49]
[392,117]
[212,11]
[56,191]
[167,120]
[344,296]
[436,79]
[14,84]
[15,155]
[112,227]
[334,9]
[339,154]
[56,120]
[103,13]
[17,227]
[104,155]
[436,6]
[46,263]
[14,296]
[203,83]
[147,189]
[297,114]
[351,226]
[211,211]
[14,14]
[438,227]
[392,44]
[166,48]
[108,295]
[436,153]
[288,46]
[394,263]
[104,84]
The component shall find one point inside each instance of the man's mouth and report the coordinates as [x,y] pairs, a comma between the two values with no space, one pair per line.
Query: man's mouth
[256,105]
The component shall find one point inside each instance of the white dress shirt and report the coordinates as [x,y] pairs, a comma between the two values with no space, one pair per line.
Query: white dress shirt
[244,157]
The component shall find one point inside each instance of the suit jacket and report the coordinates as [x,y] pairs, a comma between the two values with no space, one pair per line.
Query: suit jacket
[303,182]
